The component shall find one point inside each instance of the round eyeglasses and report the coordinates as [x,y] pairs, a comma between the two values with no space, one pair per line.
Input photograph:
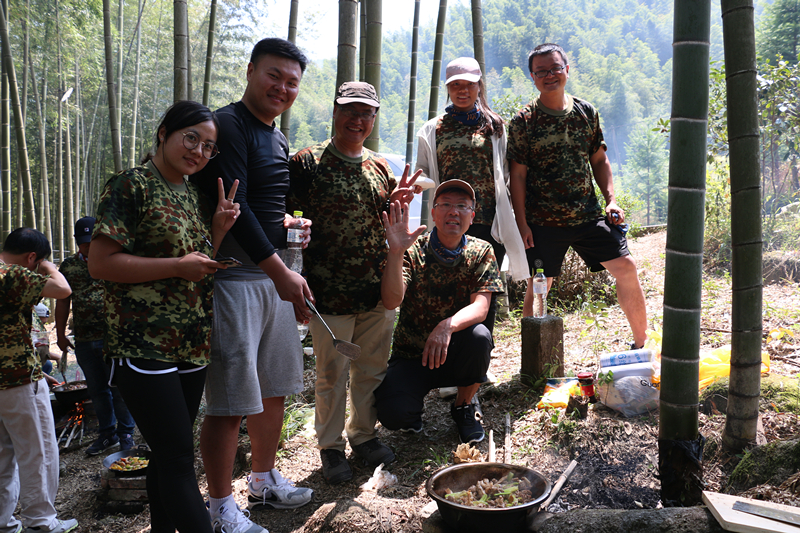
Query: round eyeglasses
[191,140]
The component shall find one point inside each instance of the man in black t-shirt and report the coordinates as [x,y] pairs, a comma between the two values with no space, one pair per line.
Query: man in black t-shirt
[256,357]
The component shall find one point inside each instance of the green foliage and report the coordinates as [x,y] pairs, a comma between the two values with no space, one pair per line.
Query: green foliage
[778,33]
[646,171]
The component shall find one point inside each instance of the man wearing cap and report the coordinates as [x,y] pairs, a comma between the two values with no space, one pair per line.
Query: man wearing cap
[256,356]
[444,281]
[89,327]
[344,188]
[555,148]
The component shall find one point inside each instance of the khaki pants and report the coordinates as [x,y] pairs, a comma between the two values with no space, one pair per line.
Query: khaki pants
[372,331]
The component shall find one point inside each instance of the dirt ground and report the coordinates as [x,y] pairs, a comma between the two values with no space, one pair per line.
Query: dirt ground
[616,456]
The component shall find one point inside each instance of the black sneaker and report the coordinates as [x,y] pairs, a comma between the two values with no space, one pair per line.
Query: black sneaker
[469,427]
[126,442]
[102,444]
[374,452]
[335,468]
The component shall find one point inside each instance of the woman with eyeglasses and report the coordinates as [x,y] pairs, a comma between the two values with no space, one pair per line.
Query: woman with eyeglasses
[153,243]
[468,142]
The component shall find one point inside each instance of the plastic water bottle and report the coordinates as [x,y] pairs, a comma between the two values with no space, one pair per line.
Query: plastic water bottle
[294,258]
[294,245]
[539,294]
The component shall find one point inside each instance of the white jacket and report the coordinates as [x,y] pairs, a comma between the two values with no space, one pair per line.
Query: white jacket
[504,228]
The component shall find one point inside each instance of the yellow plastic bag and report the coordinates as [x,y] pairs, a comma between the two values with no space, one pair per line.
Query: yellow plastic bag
[557,393]
[717,364]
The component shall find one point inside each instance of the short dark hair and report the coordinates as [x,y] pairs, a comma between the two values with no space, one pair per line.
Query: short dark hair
[181,114]
[544,49]
[27,240]
[275,46]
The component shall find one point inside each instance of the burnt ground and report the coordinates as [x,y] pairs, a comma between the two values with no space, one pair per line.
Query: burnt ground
[617,457]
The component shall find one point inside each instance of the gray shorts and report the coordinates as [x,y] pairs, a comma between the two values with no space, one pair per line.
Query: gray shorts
[255,348]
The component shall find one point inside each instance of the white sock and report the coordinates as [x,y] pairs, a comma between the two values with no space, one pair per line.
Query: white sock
[259,479]
[215,503]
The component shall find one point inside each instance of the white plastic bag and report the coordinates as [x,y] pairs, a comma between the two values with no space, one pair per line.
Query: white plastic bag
[630,395]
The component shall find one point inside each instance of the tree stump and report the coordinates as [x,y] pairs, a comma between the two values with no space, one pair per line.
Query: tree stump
[542,348]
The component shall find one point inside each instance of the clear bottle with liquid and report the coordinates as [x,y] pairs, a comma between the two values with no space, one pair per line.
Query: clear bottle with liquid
[539,294]
[293,258]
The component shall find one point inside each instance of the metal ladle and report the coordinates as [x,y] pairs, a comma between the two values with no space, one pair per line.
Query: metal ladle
[347,349]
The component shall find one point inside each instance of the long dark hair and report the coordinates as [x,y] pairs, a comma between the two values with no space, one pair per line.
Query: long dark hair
[492,122]
[181,114]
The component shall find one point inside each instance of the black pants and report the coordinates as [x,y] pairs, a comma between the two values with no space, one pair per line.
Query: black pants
[483,231]
[165,407]
[401,396]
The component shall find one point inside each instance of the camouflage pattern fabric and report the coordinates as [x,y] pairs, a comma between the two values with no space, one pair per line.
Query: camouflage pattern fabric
[20,289]
[556,147]
[435,291]
[344,198]
[465,154]
[88,305]
[167,319]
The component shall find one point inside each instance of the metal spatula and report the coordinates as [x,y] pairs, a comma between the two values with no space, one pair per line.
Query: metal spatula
[347,349]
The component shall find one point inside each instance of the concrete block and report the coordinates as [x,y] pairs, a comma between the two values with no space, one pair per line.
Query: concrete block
[542,348]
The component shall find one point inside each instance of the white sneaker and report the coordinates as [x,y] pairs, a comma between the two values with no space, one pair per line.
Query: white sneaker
[234,520]
[62,526]
[279,495]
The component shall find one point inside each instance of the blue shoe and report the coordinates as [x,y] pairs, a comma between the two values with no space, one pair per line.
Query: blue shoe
[102,444]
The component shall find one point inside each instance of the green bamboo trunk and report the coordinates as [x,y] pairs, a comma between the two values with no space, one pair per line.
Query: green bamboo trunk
[180,49]
[286,116]
[477,34]
[19,126]
[373,63]
[212,22]
[412,88]
[433,102]
[741,419]
[112,97]
[681,473]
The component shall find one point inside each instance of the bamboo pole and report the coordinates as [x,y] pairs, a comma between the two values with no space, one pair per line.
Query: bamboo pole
[477,35]
[212,22]
[286,117]
[679,440]
[373,64]
[412,87]
[19,126]
[741,418]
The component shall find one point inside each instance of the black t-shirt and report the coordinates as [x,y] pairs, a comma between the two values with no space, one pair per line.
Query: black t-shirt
[258,156]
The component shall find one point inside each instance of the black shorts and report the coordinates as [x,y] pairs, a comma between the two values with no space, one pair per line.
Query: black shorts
[595,242]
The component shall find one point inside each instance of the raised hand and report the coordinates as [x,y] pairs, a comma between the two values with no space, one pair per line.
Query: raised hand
[395,222]
[404,192]
[227,210]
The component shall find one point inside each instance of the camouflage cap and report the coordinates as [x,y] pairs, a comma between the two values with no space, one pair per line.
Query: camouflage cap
[357,92]
[455,184]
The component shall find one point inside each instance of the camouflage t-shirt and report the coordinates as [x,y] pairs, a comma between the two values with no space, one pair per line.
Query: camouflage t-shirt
[88,306]
[20,289]
[463,153]
[435,291]
[167,319]
[556,147]
[344,198]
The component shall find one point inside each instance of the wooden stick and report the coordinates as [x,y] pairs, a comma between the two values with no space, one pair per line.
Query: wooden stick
[507,443]
[560,483]
[492,457]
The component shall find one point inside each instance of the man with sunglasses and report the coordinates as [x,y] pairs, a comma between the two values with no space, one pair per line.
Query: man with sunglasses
[344,188]
[555,148]
[256,356]
[445,281]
